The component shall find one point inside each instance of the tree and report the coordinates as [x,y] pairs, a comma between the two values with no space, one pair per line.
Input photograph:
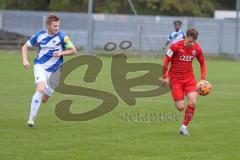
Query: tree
[69,5]
[25,4]
[203,8]
[225,4]
[193,8]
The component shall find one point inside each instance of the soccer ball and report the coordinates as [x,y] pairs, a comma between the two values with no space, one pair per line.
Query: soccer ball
[203,87]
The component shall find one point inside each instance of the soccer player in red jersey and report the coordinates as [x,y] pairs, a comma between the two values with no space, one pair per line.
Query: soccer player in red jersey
[181,75]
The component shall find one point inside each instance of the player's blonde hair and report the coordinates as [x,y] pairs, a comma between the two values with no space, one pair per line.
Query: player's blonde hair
[51,18]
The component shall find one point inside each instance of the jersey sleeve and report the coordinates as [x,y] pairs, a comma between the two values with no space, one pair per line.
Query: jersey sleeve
[33,40]
[65,41]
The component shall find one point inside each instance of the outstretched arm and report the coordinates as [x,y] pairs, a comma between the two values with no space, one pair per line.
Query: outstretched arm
[165,67]
[164,77]
[26,63]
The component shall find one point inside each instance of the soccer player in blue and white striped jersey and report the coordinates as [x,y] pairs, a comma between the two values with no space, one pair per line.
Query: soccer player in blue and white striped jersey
[52,46]
[175,36]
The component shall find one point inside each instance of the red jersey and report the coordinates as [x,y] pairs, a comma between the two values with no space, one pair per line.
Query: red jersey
[181,58]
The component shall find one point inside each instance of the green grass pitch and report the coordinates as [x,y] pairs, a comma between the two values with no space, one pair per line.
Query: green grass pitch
[215,129]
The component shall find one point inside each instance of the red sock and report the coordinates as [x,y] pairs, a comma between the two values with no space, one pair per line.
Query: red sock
[189,112]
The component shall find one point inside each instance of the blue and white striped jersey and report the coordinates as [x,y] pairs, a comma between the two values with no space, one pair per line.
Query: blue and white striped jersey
[176,36]
[47,45]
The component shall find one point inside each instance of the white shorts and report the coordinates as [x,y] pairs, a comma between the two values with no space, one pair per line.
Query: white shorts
[51,79]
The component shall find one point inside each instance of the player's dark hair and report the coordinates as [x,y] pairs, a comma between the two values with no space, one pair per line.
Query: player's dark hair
[192,33]
[179,22]
[51,18]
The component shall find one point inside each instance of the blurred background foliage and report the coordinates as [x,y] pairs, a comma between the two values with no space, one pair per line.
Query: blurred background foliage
[195,8]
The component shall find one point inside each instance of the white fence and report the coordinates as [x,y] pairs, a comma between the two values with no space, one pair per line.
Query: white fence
[147,33]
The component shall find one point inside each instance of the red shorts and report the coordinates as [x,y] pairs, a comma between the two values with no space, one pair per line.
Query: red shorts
[179,88]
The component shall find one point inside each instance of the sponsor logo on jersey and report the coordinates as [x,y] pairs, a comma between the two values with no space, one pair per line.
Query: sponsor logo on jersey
[48,48]
[186,58]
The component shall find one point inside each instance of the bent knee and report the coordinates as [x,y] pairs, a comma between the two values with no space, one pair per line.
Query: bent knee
[192,103]
[41,87]
[180,107]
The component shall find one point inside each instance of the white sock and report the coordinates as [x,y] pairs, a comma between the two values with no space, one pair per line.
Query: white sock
[36,102]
